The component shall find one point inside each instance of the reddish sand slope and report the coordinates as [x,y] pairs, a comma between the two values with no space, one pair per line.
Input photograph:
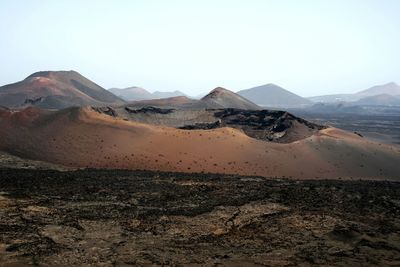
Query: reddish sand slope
[84,138]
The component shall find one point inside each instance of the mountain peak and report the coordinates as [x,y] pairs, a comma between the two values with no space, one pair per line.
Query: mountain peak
[56,90]
[221,97]
[49,73]
[220,89]
[390,88]
[272,95]
[216,92]
[391,84]
[271,85]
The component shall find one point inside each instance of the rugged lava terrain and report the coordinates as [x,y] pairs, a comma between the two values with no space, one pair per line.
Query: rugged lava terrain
[125,218]
[267,125]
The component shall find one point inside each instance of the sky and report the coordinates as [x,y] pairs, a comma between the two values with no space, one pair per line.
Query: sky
[308,47]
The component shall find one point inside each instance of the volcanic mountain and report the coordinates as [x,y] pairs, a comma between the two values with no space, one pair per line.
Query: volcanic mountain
[391,88]
[218,98]
[83,137]
[388,89]
[223,98]
[132,93]
[56,90]
[138,93]
[271,95]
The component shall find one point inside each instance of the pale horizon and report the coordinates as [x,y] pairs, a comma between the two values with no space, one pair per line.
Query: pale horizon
[309,48]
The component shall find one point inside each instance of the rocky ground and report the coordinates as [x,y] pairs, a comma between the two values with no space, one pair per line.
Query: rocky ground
[135,218]
[7,160]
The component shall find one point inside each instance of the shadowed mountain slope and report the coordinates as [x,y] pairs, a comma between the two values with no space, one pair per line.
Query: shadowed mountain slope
[271,95]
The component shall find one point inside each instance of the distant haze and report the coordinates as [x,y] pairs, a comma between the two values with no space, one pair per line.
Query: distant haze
[308,47]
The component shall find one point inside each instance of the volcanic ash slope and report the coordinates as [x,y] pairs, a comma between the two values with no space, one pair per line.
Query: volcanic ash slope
[81,137]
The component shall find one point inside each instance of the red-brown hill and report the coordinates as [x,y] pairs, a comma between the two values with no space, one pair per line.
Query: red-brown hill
[56,90]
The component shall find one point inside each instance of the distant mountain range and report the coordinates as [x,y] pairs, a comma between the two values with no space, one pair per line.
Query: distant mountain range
[132,93]
[56,90]
[218,98]
[61,89]
[373,95]
[389,88]
[138,93]
[271,95]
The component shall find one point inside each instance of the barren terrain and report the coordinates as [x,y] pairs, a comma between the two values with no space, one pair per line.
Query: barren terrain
[82,137]
[125,218]
[384,128]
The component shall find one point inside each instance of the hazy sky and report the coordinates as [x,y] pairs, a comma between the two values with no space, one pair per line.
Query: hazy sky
[308,47]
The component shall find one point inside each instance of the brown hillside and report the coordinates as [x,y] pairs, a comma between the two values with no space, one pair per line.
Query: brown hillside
[55,90]
[85,138]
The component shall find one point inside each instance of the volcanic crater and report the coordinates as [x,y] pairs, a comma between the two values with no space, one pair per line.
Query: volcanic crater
[267,125]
